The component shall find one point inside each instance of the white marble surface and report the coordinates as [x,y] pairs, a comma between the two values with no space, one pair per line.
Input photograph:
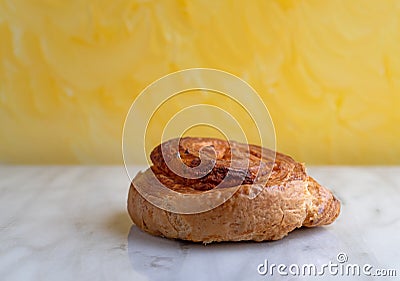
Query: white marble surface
[70,223]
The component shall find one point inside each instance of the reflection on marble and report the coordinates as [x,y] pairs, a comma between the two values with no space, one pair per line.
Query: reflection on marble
[70,223]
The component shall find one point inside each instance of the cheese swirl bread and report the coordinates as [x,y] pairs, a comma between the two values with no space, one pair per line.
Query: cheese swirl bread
[269,194]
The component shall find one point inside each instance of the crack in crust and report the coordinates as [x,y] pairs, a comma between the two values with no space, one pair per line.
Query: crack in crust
[288,200]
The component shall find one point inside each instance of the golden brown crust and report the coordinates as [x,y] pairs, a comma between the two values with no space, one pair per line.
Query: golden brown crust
[324,207]
[221,156]
[259,210]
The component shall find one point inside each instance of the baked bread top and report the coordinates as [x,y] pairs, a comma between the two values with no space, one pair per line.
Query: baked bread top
[207,163]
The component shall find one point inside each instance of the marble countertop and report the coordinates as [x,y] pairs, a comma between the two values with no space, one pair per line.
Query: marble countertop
[70,223]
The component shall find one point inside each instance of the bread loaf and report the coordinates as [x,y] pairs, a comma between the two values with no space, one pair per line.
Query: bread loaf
[272,195]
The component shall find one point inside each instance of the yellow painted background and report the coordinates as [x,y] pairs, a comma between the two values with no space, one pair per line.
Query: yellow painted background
[329,72]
